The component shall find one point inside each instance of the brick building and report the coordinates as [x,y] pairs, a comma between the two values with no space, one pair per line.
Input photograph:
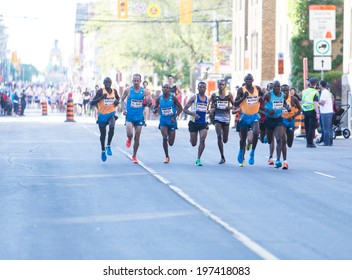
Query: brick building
[261,34]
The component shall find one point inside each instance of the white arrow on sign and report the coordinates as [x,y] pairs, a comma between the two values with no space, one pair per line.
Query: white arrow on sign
[322,63]
[322,47]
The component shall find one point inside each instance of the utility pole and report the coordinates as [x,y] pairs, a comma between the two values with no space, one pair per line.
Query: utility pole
[217,30]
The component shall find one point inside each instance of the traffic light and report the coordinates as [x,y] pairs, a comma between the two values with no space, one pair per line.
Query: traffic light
[77,61]
[185,11]
[122,9]
[217,51]
[14,59]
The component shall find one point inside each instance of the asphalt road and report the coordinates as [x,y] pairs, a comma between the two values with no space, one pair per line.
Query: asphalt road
[58,200]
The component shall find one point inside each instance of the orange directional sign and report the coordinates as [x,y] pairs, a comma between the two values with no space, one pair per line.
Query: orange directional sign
[322,22]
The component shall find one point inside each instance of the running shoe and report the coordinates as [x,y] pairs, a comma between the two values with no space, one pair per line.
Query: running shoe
[251,158]
[242,163]
[249,146]
[128,142]
[240,157]
[285,165]
[222,160]
[108,150]
[167,160]
[134,160]
[199,163]
[103,156]
[278,163]
[270,161]
[311,146]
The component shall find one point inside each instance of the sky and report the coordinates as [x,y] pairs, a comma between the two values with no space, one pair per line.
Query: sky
[34,25]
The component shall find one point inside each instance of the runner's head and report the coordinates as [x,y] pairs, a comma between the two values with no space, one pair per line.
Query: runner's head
[269,86]
[248,79]
[276,86]
[107,82]
[136,80]
[166,88]
[202,86]
[286,90]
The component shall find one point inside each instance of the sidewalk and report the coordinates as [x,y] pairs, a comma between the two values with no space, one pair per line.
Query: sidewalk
[35,115]
[340,141]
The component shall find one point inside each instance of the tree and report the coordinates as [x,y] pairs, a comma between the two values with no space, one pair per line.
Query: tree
[301,46]
[159,45]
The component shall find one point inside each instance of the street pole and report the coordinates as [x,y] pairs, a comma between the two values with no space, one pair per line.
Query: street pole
[305,72]
[217,30]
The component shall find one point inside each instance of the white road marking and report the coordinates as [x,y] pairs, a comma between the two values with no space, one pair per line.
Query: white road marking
[323,174]
[245,240]
[119,218]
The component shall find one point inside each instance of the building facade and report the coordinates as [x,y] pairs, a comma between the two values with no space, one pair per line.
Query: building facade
[346,95]
[261,37]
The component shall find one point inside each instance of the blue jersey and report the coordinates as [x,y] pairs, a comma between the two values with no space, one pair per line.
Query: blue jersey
[276,103]
[167,109]
[200,108]
[135,105]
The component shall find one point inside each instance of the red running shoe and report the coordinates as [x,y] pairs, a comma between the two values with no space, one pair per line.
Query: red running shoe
[134,160]
[128,142]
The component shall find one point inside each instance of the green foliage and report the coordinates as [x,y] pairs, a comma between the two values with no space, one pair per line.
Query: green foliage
[158,45]
[337,61]
[334,78]
[301,46]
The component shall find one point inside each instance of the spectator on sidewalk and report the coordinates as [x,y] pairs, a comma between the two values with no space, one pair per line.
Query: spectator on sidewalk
[326,114]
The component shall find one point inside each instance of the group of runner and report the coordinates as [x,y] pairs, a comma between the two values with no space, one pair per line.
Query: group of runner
[270,115]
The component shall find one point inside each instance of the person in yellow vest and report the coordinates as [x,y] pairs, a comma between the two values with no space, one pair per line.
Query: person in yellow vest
[310,108]
[289,121]
[249,99]
[106,99]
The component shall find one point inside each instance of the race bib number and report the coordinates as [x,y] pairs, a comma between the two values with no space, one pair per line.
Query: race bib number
[201,107]
[136,103]
[109,101]
[278,104]
[221,104]
[167,111]
[252,100]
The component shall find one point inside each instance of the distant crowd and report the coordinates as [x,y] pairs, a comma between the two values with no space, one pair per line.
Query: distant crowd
[16,97]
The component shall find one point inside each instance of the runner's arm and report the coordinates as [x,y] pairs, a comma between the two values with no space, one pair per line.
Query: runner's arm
[189,104]
[98,96]
[117,98]
[240,97]
[178,106]
[156,106]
